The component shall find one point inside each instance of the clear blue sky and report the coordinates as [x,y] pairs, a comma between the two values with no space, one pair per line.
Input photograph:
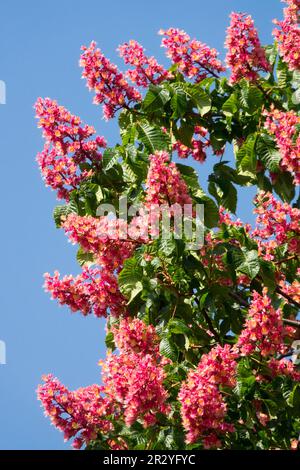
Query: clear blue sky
[40,45]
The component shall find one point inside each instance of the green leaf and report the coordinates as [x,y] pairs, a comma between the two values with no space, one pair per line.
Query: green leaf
[282,74]
[177,326]
[230,106]
[84,258]
[268,152]
[135,291]
[130,276]
[179,101]
[251,97]
[152,137]
[167,349]
[110,158]
[267,272]
[201,99]
[294,400]
[61,212]
[155,99]
[247,262]
[245,156]
[190,176]
[224,192]
[109,341]
[284,186]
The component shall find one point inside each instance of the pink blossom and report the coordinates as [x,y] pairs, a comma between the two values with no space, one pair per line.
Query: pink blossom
[284,367]
[276,223]
[164,184]
[146,69]
[101,236]
[133,335]
[93,291]
[135,381]
[82,413]
[245,56]
[68,145]
[203,408]
[283,125]
[263,330]
[194,58]
[287,34]
[108,83]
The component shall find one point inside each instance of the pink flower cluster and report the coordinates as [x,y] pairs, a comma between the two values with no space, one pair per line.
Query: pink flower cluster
[276,223]
[135,336]
[288,34]
[146,69]
[68,145]
[132,390]
[197,149]
[135,381]
[93,291]
[283,125]
[263,330]
[164,184]
[193,58]
[245,56]
[108,83]
[104,237]
[284,367]
[203,408]
[81,413]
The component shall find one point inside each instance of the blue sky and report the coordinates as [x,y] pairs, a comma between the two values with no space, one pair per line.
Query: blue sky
[39,50]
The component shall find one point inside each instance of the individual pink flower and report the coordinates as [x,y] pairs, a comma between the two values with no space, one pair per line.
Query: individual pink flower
[93,291]
[203,408]
[110,87]
[194,58]
[287,34]
[245,56]
[263,330]
[146,69]
[68,146]
[81,414]
[133,335]
[284,127]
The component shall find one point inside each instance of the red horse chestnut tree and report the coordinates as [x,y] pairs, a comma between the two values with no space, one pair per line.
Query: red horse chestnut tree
[202,340]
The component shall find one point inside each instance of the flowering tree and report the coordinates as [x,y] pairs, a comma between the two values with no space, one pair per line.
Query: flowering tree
[199,339]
